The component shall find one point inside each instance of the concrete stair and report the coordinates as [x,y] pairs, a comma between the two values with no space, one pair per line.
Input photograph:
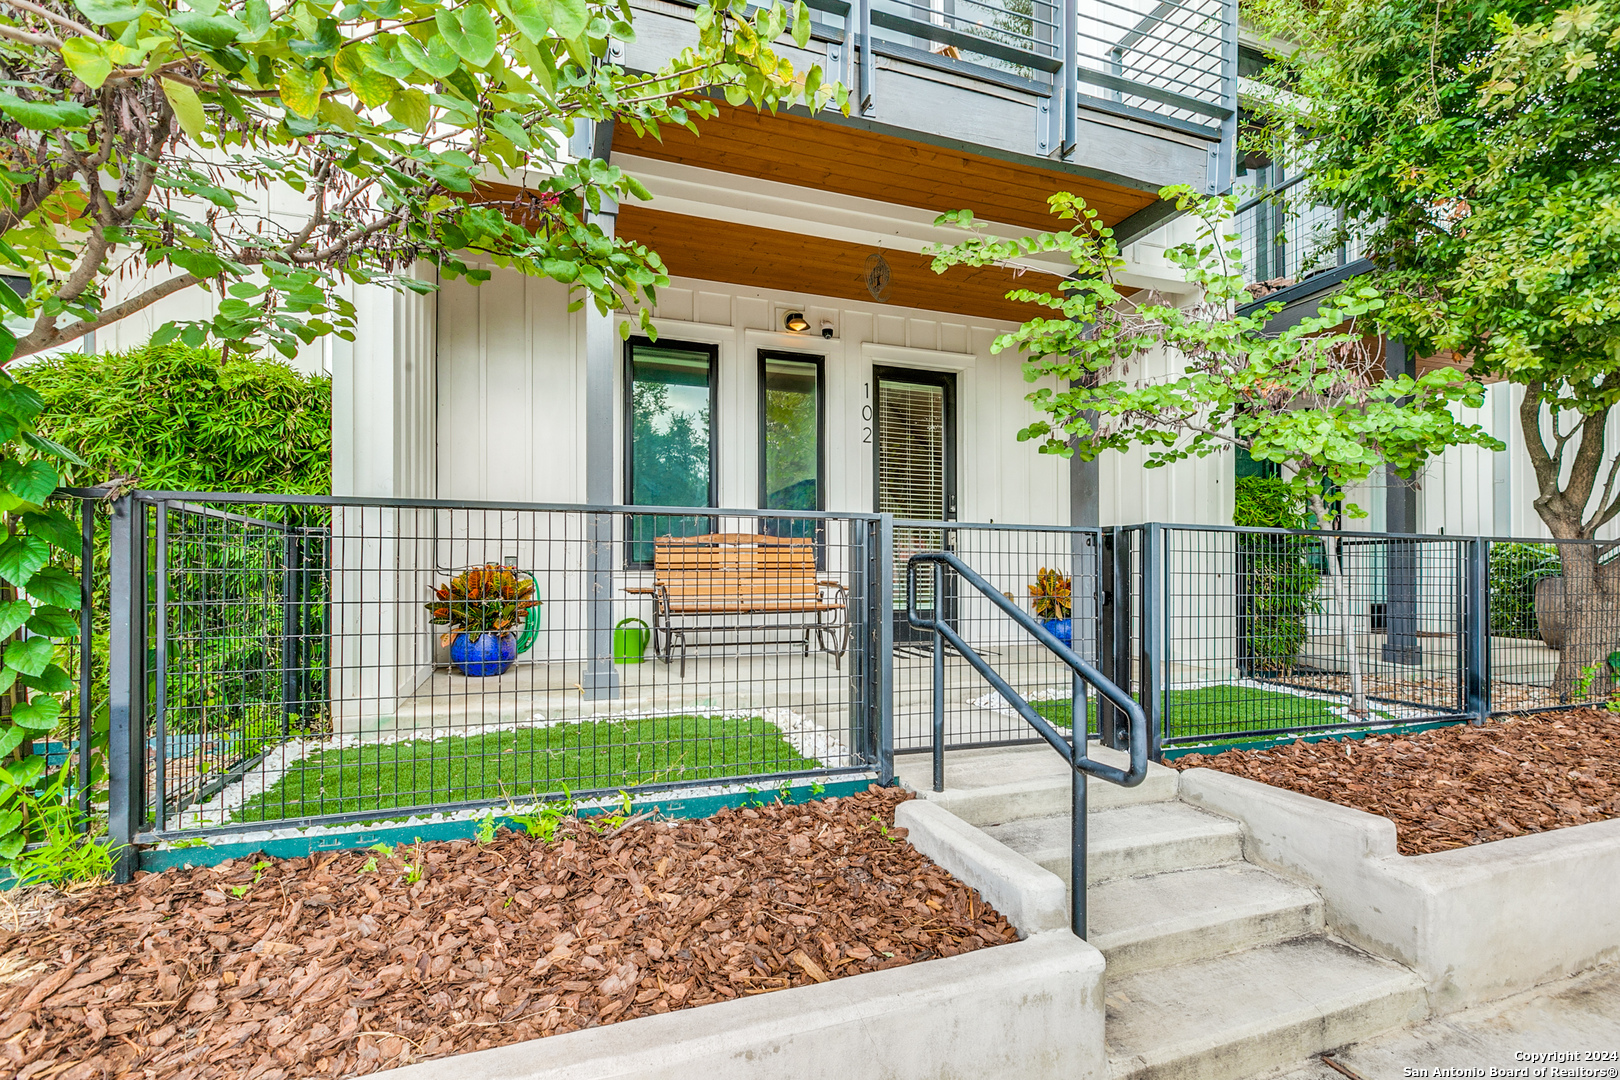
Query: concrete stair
[1217,969]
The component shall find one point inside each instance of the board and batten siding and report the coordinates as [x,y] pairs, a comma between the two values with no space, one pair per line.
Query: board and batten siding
[511,402]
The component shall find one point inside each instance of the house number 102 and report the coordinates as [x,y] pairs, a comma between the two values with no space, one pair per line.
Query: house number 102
[866,414]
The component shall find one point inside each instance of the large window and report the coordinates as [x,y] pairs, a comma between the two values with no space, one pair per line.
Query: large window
[790,439]
[669,433]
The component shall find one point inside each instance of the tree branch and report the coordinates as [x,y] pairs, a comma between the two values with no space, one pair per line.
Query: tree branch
[34,342]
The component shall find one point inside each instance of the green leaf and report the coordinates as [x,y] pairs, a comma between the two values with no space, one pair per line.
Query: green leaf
[40,714]
[53,622]
[10,739]
[301,90]
[188,108]
[44,115]
[32,482]
[214,31]
[105,14]
[12,846]
[527,17]
[10,822]
[54,585]
[55,527]
[568,17]
[30,656]
[13,616]
[470,32]
[22,558]
[50,446]
[410,107]
[87,59]
[53,680]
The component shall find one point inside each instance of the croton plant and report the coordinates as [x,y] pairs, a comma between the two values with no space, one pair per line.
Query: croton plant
[488,599]
[1049,596]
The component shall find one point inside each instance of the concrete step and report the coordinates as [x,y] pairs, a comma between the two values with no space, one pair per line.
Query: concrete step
[1150,838]
[1186,915]
[1235,1016]
[995,786]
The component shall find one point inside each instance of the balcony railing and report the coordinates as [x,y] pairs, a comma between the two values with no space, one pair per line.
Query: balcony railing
[1168,61]
[1286,238]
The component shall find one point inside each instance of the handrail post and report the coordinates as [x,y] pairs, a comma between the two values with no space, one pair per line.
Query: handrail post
[1077,807]
[939,679]
[865,62]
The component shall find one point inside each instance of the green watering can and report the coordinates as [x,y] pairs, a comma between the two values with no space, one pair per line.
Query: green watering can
[630,637]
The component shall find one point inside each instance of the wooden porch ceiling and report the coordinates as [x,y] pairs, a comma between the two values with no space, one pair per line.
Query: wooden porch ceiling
[768,259]
[827,156]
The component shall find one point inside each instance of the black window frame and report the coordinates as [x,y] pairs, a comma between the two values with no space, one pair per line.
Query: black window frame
[713,351]
[820,362]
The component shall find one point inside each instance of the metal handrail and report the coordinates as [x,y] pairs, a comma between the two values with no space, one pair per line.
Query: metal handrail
[1073,748]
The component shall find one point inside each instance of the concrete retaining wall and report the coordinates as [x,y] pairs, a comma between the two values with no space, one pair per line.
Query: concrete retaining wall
[1031,897]
[1033,1009]
[1477,923]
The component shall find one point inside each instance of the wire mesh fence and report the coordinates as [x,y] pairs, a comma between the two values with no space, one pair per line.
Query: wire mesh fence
[1053,572]
[313,660]
[283,661]
[1269,631]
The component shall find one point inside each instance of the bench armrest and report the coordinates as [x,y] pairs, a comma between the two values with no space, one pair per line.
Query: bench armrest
[644,591]
[831,584]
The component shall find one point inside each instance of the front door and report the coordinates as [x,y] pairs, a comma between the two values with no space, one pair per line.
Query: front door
[914,437]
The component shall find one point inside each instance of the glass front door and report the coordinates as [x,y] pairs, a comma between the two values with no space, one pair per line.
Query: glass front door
[915,450]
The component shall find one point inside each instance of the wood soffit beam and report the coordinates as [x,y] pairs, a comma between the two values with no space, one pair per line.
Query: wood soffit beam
[797,150]
[758,258]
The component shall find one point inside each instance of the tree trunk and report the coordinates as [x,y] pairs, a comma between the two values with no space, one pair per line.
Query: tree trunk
[1341,605]
[1591,631]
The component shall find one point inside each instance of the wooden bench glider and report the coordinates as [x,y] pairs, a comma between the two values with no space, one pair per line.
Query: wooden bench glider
[700,583]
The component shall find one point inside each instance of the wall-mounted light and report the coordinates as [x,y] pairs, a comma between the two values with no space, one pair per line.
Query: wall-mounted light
[796,322]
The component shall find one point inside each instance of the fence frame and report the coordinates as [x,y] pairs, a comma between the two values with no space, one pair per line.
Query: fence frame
[1133,608]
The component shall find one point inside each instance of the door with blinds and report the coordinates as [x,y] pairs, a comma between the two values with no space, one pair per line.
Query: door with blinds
[914,438]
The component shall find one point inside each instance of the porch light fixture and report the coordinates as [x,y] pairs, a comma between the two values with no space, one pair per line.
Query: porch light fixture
[796,322]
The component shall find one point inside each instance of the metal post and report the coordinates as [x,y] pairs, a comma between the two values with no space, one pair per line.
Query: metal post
[1224,155]
[1477,633]
[1107,732]
[87,564]
[600,678]
[160,685]
[939,679]
[1069,95]
[1153,658]
[866,63]
[290,558]
[1401,642]
[126,678]
[883,594]
[1078,822]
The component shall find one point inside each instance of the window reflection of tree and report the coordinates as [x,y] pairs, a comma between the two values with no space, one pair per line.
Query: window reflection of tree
[671,446]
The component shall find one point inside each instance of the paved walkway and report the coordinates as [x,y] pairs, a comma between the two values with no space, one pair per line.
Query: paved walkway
[1575,1016]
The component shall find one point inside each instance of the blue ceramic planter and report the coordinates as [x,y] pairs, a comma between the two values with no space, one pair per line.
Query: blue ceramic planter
[484,655]
[1062,629]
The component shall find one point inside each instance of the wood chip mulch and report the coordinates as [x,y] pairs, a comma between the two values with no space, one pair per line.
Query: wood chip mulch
[339,964]
[1456,786]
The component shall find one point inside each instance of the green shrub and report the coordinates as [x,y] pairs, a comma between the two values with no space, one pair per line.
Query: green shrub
[1515,569]
[178,418]
[1278,577]
[1266,502]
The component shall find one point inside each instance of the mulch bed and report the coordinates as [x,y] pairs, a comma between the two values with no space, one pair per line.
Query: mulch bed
[339,964]
[1455,786]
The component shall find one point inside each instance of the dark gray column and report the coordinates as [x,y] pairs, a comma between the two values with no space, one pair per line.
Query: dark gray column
[600,679]
[1401,643]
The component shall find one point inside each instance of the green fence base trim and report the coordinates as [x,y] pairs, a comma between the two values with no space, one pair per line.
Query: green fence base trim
[1284,740]
[294,847]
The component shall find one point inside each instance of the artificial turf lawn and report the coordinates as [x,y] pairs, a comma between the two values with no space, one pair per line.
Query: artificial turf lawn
[1215,711]
[583,756]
